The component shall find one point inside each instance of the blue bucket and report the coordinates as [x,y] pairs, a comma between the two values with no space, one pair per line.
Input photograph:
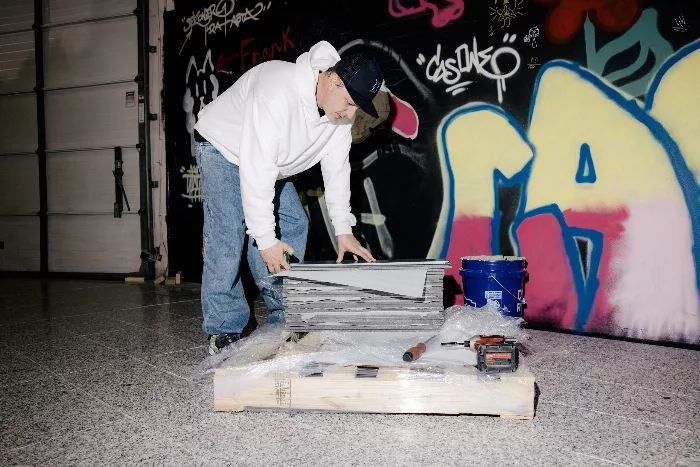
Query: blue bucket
[500,279]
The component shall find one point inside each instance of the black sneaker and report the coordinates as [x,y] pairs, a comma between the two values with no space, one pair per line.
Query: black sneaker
[218,341]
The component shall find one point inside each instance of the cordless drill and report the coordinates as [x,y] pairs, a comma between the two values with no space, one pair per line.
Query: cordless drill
[494,353]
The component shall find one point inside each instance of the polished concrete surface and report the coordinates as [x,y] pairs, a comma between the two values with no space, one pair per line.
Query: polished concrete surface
[101,373]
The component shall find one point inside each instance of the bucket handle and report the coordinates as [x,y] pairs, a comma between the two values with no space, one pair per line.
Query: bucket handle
[521,301]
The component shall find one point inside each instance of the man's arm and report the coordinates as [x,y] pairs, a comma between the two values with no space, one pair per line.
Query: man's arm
[335,169]
[258,170]
[260,142]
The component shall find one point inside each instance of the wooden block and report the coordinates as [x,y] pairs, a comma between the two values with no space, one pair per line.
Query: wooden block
[159,280]
[178,277]
[361,389]
[170,282]
[134,279]
[453,389]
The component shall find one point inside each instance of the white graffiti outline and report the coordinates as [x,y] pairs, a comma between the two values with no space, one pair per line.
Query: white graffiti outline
[219,16]
[451,70]
[188,101]
[193,190]
[680,24]
[508,13]
[318,193]
[531,36]
[377,219]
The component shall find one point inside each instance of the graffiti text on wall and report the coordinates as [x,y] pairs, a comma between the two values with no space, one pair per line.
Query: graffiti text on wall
[485,63]
[680,25]
[220,17]
[250,55]
[193,190]
[588,147]
[612,243]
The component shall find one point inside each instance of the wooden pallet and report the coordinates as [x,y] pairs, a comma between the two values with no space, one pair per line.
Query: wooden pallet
[359,388]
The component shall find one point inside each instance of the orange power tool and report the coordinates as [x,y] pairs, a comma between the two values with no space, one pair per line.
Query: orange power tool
[494,353]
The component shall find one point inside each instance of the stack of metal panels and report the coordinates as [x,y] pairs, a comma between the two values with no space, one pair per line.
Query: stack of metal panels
[326,304]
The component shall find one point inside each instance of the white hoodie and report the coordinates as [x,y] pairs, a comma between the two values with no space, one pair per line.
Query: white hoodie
[268,124]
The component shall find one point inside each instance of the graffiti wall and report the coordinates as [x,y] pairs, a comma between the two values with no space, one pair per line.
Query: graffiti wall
[567,132]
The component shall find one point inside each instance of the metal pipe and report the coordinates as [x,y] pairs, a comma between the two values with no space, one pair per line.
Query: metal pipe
[90,85]
[146,205]
[66,275]
[63,213]
[27,153]
[86,213]
[118,174]
[87,21]
[69,150]
[41,136]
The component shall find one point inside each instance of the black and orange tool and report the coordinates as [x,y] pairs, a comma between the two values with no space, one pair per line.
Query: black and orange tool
[494,353]
[484,339]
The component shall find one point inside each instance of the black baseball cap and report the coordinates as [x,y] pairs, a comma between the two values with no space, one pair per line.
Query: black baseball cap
[362,78]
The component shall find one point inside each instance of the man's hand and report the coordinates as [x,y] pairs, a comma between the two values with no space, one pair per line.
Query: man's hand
[274,256]
[348,244]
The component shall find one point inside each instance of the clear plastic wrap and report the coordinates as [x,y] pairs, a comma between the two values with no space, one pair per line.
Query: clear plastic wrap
[271,285]
[352,371]
[461,321]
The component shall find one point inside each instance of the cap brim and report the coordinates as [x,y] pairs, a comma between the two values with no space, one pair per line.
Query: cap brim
[366,105]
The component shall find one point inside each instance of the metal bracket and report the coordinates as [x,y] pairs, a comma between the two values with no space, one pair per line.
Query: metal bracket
[147,257]
[152,117]
[119,190]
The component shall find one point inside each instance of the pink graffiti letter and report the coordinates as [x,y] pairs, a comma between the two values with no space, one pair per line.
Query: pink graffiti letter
[441,16]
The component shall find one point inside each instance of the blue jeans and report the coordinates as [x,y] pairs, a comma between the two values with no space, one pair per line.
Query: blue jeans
[224,305]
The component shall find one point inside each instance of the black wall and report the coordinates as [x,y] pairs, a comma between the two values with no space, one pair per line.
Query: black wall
[208,45]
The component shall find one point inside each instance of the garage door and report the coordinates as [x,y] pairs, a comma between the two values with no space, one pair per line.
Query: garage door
[92,125]
[19,166]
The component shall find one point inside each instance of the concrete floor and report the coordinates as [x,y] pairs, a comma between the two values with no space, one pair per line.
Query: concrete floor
[99,373]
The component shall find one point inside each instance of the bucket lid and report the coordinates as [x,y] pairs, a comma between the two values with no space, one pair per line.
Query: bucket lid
[493,258]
